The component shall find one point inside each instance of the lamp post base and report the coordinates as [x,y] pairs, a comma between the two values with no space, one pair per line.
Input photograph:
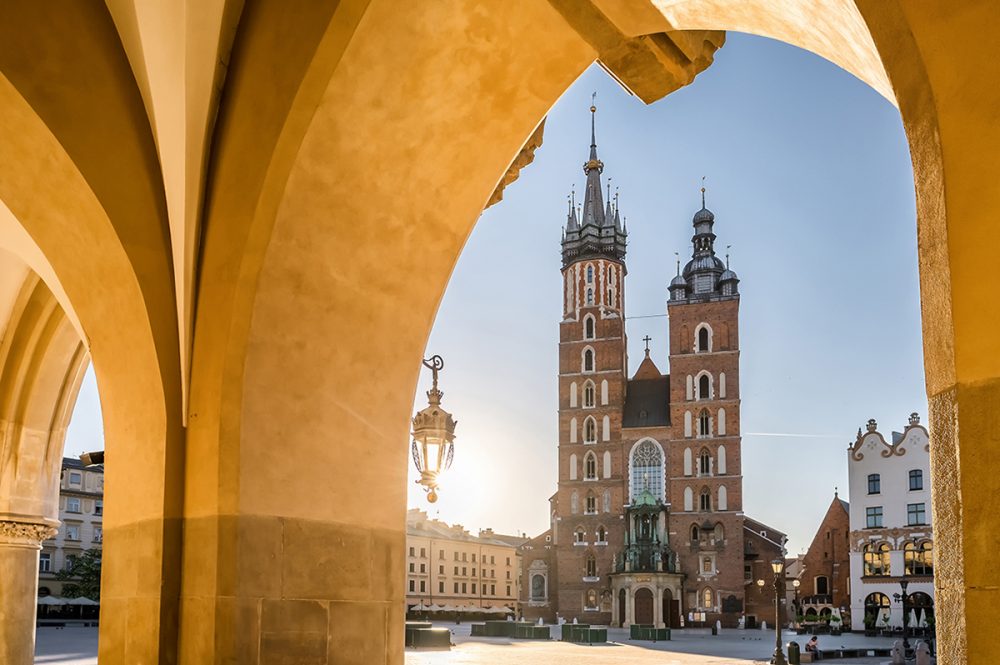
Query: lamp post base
[778,658]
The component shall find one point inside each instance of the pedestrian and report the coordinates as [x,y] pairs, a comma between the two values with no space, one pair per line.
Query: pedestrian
[812,646]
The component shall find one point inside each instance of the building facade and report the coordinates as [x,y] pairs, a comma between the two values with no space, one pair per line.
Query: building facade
[891,531]
[446,565]
[825,575]
[81,512]
[647,523]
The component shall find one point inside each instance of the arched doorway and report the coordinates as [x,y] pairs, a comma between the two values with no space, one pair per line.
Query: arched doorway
[923,607]
[643,607]
[671,610]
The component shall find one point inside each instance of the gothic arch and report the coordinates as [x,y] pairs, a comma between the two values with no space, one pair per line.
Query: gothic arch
[703,338]
[647,465]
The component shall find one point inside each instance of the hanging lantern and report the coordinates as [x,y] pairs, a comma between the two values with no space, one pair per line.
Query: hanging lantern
[433,435]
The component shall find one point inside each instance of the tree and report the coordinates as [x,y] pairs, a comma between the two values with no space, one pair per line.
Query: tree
[84,578]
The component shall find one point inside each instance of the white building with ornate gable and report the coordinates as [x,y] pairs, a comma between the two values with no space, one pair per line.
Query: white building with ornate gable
[891,535]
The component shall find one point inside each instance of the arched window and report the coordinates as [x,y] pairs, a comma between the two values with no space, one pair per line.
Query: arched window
[687,462]
[607,464]
[646,470]
[579,536]
[720,455]
[606,427]
[592,572]
[704,462]
[704,423]
[572,466]
[687,423]
[604,391]
[591,504]
[574,503]
[919,559]
[723,503]
[722,385]
[876,560]
[590,297]
[572,430]
[719,532]
[688,499]
[607,501]
[588,327]
[722,422]
[876,607]
[588,360]
[590,274]
[822,585]
[707,601]
[590,430]
[695,533]
[602,534]
[705,500]
[537,587]
[704,338]
[704,387]
[590,466]
[689,387]
[572,394]
[588,395]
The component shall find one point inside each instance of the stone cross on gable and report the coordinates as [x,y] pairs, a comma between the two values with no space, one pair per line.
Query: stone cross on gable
[647,339]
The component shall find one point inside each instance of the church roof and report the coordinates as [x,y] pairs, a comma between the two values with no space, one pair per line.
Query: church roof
[647,369]
[647,401]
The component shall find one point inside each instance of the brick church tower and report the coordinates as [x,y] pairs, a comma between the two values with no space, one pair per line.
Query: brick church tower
[706,481]
[592,375]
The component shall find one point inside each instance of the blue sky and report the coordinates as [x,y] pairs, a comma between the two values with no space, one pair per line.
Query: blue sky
[809,176]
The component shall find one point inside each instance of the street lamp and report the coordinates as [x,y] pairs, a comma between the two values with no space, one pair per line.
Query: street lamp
[778,565]
[796,583]
[433,435]
[904,597]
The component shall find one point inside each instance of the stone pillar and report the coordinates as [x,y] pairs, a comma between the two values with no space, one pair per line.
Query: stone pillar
[629,608]
[20,542]
[657,606]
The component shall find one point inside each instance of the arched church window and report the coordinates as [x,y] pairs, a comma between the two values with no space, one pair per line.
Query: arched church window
[705,500]
[590,274]
[588,395]
[704,341]
[704,387]
[588,327]
[695,533]
[590,296]
[590,467]
[590,430]
[704,423]
[706,599]
[704,462]
[588,360]
[591,504]
[592,572]
[579,536]
[646,469]
[602,535]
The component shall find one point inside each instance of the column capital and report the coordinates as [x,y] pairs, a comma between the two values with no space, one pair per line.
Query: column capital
[26,532]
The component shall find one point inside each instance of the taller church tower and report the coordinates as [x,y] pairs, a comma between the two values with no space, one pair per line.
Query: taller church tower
[706,481]
[592,376]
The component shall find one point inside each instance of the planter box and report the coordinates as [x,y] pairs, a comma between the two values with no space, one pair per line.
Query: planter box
[411,628]
[593,636]
[499,628]
[647,632]
[432,638]
[478,630]
[570,629]
[527,631]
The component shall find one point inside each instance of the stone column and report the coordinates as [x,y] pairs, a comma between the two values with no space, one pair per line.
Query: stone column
[657,606]
[629,609]
[20,542]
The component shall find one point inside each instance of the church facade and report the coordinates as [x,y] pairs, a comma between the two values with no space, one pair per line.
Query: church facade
[647,523]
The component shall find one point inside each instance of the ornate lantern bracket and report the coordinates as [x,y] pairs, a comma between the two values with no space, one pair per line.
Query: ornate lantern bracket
[433,447]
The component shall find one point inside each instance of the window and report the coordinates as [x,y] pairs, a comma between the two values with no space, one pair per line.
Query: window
[590,466]
[588,360]
[874,483]
[703,340]
[646,469]
[694,533]
[411,552]
[72,532]
[465,556]
[492,559]
[590,297]
[98,507]
[588,327]
[590,431]
[508,561]
[916,480]
[44,562]
[473,587]
[456,556]
[423,568]
[411,567]
[748,572]
[456,570]
[70,562]
[602,535]
[473,557]
[590,274]
[915,514]
[706,564]
[876,560]
[822,585]
[508,589]
[919,559]
[873,516]
[423,553]
[72,505]
[705,500]
[441,554]
[423,586]
[464,571]
[704,423]
[706,599]
[440,587]
[580,536]
[456,587]
[588,395]
[876,605]
[464,588]
[704,462]
[591,566]
[412,586]
[75,478]
[704,387]
[441,570]
[591,504]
